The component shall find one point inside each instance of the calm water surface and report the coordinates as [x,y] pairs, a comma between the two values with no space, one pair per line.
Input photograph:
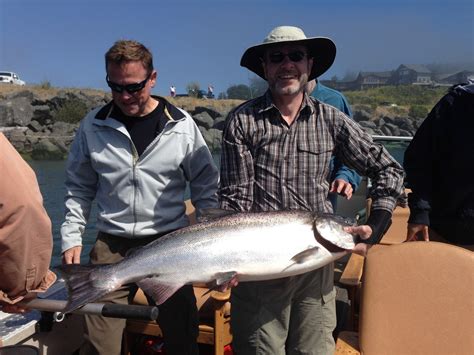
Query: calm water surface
[51,176]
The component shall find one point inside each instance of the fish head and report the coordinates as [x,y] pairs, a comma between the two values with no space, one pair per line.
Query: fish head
[330,228]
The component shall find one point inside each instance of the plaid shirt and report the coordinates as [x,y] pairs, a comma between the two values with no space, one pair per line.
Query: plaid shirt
[268,165]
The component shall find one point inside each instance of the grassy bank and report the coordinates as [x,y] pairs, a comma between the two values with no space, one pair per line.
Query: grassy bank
[408,100]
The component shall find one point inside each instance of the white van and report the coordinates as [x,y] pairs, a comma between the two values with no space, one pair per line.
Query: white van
[10,78]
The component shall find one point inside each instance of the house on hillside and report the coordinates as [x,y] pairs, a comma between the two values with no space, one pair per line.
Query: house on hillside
[455,78]
[338,85]
[367,80]
[405,74]
[415,74]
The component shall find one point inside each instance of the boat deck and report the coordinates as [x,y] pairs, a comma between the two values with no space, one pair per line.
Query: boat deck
[24,329]
[15,328]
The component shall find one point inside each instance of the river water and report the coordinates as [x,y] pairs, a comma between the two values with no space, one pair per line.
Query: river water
[51,177]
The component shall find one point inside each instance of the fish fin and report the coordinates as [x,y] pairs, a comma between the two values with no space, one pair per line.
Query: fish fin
[83,284]
[221,282]
[209,214]
[157,290]
[223,278]
[303,256]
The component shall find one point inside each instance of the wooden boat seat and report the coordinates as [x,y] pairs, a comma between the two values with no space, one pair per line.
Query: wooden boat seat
[214,320]
[417,298]
[213,308]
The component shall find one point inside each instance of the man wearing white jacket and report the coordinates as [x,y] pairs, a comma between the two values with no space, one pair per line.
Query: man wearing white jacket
[135,156]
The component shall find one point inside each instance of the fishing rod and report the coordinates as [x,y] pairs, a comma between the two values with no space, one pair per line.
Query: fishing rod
[110,310]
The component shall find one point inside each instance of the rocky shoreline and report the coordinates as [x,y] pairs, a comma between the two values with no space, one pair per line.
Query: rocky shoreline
[38,126]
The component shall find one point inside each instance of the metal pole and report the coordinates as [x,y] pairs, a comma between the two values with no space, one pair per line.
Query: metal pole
[104,309]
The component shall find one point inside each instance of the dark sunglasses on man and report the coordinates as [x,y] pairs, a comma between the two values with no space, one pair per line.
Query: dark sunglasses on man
[130,88]
[278,57]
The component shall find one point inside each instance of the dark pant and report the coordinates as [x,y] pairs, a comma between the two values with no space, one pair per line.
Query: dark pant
[178,317]
[436,237]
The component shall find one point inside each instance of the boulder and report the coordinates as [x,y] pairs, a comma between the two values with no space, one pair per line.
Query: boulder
[362,115]
[63,129]
[219,123]
[213,138]
[18,139]
[47,150]
[390,129]
[212,112]
[16,111]
[203,119]
[42,114]
[35,127]
[368,124]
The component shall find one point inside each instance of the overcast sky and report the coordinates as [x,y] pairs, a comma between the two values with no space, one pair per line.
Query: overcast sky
[64,41]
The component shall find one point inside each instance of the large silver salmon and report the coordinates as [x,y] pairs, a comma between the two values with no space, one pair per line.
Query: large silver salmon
[251,246]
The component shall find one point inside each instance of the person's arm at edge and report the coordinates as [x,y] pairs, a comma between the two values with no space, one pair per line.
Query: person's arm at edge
[340,171]
[418,163]
[373,160]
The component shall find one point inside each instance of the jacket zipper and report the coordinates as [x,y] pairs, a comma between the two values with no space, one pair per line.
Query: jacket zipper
[135,158]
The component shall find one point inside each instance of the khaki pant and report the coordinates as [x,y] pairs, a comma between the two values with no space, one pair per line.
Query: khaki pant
[178,317]
[293,315]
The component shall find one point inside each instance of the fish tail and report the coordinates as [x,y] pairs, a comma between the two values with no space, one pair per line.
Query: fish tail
[83,284]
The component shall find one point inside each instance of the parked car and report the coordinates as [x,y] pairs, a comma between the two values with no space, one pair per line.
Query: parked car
[10,78]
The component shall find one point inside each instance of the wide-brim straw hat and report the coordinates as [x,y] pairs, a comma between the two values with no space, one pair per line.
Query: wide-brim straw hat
[322,49]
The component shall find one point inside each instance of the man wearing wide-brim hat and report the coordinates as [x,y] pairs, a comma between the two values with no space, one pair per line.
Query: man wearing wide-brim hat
[276,152]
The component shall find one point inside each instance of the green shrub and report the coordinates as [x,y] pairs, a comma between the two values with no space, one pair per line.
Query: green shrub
[71,112]
[239,92]
[418,111]
[193,89]
[403,95]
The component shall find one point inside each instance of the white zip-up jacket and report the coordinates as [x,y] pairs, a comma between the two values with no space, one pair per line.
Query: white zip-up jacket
[137,196]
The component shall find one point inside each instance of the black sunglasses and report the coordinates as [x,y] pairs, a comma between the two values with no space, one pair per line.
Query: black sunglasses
[278,57]
[130,88]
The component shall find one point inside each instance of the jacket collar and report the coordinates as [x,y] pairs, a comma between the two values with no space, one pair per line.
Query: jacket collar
[171,111]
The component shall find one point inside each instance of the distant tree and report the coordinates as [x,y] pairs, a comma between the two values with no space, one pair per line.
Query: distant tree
[239,92]
[349,76]
[258,86]
[222,96]
[334,78]
[193,89]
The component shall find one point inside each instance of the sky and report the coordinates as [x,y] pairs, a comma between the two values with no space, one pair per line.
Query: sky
[63,42]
